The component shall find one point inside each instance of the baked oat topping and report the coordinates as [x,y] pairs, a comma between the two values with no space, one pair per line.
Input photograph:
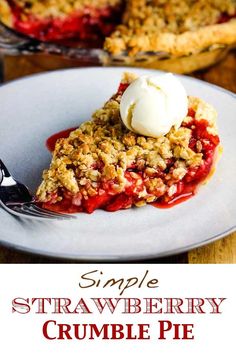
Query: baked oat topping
[5,13]
[59,8]
[102,155]
[174,16]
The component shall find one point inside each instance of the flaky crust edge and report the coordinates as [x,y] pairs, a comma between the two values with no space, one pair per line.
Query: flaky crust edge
[187,43]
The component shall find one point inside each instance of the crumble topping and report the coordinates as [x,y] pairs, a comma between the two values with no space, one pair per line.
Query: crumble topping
[5,13]
[101,151]
[174,16]
[60,8]
[176,27]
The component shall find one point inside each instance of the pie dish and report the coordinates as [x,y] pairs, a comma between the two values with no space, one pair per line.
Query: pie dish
[103,165]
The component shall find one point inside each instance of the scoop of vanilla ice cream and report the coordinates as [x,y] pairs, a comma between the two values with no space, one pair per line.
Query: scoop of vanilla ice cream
[150,106]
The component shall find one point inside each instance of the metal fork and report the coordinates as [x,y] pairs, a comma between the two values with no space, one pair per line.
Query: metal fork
[17,200]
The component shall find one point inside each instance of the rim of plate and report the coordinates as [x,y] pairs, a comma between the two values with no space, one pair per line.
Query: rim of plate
[48,73]
[118,258]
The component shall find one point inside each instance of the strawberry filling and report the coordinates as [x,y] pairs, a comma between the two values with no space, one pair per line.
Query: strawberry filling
[224,17]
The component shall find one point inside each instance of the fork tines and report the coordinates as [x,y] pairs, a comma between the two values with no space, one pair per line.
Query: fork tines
[33,210]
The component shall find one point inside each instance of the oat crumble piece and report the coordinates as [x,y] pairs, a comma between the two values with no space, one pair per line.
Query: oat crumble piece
[58,8]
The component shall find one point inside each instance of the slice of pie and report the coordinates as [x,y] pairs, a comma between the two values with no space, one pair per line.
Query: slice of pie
[104,165]
[52,20]
[177,28]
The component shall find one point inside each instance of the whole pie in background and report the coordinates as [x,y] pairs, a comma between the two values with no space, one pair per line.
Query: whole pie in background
[173,35]
[176,27]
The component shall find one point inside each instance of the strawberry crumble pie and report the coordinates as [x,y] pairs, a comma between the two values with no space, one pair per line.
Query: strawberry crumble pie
[104,165]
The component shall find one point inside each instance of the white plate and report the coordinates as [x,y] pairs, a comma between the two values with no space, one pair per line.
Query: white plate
[33,108]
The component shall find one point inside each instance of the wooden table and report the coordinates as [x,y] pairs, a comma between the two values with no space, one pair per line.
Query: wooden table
[222,251]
